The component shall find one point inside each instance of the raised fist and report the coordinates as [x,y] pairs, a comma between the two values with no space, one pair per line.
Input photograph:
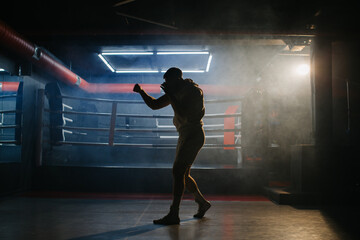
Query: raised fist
[137,88]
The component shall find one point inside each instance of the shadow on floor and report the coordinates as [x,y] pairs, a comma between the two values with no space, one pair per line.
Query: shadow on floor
[122,233]
[125,233]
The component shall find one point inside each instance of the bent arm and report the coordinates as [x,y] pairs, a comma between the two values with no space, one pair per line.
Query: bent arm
[154,103]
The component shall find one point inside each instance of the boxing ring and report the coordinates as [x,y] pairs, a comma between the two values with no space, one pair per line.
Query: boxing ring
[55,126]
[6,117]
[122,123]
[11,118]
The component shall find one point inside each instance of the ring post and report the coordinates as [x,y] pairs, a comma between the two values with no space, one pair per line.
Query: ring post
[39,127]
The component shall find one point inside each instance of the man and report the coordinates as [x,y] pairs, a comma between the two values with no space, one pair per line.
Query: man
[187,101]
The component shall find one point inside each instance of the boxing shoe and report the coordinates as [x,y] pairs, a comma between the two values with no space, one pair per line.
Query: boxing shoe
[168,220]
[171,218]
[203,207]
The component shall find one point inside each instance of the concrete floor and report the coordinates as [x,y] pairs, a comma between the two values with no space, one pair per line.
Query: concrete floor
[90,219]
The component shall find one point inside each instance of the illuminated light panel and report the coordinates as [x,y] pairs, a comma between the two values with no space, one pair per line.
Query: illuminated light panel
[106,63]
[101,56]
[182,53]
[208,63]
[127,53]
[136,71]
[193,71]
[188,71]
[2,70]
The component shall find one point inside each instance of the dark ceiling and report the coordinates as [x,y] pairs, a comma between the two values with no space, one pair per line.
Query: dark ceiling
[69,17]
[75,30]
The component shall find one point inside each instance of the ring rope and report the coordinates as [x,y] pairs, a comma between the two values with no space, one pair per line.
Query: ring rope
[10,111]
[8,96]
[143,144]
[138,130]
[142,115]
[9,126]
[142,102]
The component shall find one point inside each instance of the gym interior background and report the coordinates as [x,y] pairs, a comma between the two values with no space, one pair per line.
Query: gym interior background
[281,93]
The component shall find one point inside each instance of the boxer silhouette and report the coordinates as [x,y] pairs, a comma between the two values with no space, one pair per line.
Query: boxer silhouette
[187,101]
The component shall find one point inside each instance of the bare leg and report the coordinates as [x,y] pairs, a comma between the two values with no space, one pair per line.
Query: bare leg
[192,187]
[189,144]
[179,170]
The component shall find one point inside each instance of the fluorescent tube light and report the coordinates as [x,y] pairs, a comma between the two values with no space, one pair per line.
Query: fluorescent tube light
[181,53]
[188,71]
[2,70]
[106,62]
[208,63]
[193,71]
[136,71]
[127,53]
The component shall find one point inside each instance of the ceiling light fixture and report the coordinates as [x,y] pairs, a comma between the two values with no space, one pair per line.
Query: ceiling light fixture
[106,63]
[115,53]
[2,70]
[208,63]
[127,53]
[193,71]
[136,71]
[182,53]
[187,71]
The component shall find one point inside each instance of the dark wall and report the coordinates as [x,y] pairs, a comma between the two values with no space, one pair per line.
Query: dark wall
[331,166]
[346,92]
